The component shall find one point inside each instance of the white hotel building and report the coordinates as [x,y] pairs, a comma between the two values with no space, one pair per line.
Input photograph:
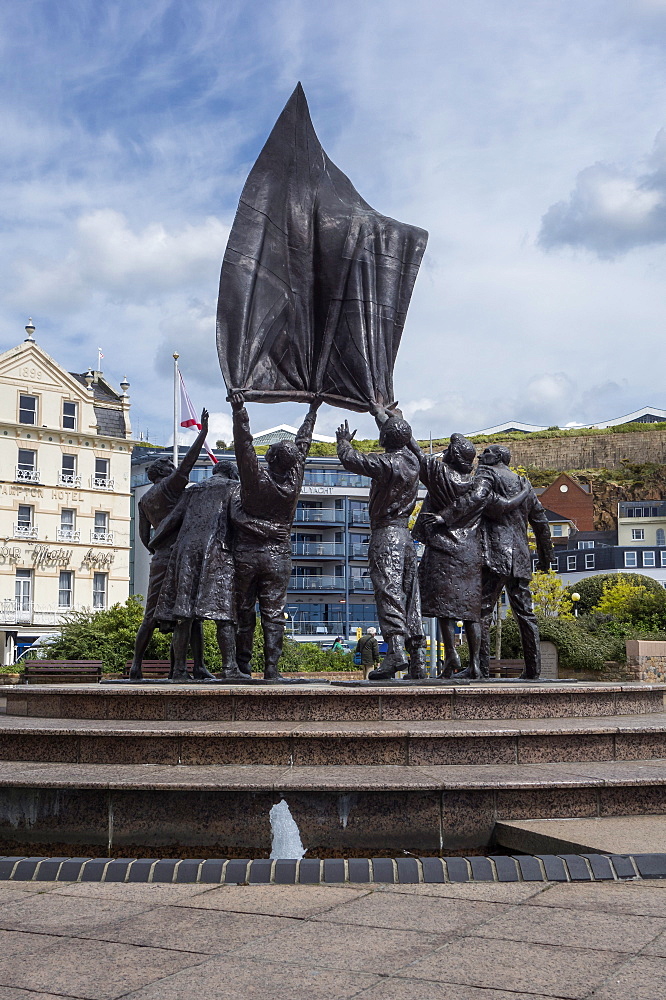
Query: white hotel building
[65,453]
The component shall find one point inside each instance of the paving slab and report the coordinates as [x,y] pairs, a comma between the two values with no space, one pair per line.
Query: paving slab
[599,835]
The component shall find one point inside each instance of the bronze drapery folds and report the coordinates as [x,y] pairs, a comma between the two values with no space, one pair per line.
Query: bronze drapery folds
[315,283]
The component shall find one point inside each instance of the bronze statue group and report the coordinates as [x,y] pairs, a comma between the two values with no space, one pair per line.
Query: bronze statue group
[222,547]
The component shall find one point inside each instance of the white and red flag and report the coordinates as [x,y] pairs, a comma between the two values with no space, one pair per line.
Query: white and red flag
[188,416]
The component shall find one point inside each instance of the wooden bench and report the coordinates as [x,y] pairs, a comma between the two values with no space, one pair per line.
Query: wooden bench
[506,668]
[154,670]
[61,672]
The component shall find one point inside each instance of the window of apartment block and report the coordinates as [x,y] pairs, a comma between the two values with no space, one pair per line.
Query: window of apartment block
[557,530]
[23,589]
[648,559]
[27,460]
[637,534]
[661,537]
[571,563]
[99,591]
[630,559]
[27,409]
[24,516]
[65,588]
[586,545]
[555,564]
[69,415]
[589,560]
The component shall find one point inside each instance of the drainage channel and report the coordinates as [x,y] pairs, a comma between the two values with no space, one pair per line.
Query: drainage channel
[310,871]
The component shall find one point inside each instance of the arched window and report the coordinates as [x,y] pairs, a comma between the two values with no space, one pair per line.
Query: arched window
[661,536]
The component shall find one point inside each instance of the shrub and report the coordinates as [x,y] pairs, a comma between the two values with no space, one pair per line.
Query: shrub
[592,587]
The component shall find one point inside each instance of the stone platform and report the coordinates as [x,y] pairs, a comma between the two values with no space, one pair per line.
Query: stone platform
[364,771]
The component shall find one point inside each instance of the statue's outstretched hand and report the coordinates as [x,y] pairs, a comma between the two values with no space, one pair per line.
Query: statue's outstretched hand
[344,434]
[315,403]
[237,399]
[204,420]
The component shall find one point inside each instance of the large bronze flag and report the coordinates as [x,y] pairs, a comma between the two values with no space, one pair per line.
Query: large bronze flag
[315,284]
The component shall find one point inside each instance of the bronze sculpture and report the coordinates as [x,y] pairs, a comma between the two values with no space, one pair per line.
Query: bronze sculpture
[168,486]
[391,555]
[450,574]
[263,516]
[199,580]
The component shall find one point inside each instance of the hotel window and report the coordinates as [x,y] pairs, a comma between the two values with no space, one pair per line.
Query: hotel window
[24,516]
[637,534]
[65,587]
[101,520]
[586,545]
[27,409]
[99,591]
[557,530]
[648,559]
[589,560]
[69,415]
[23,589]
[630,559]
[571,563]
[27,462]
[101,471]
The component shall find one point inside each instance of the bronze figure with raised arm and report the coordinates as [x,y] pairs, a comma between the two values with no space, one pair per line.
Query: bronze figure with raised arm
[262,519]
[392,555]
[449,526]
[168,487]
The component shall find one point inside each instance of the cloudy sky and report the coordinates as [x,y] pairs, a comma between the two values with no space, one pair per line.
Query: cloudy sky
[527,136]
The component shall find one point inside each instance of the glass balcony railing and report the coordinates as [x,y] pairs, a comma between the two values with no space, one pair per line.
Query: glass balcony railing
[322,549]
[317,583]
[358,550]
[359,517]
[319,515]
[359,584]
[326,477]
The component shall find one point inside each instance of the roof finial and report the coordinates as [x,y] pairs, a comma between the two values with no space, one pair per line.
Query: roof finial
[30,330]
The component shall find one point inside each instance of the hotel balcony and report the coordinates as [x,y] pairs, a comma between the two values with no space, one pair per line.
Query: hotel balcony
[359,584]
[321,550]
[67,535]
[319,515]
[102,537]
[358,550]
[26,531]
[27,475]
[317,583]
[359,517]
[23,612]
[68,479]
[101,483]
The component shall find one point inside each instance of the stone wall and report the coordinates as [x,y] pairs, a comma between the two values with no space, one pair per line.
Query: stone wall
[647,660]
[602,451]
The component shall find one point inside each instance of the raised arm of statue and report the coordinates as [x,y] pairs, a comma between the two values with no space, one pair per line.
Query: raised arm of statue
[304,435]
[194,450]
[246,456]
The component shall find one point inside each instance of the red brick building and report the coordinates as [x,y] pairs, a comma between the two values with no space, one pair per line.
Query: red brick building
[571,500]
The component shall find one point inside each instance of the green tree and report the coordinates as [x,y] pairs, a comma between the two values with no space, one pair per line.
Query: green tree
[551,597]
[632,602]
[592,587]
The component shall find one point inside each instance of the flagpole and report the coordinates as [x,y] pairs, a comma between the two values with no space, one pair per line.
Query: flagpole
[176,399]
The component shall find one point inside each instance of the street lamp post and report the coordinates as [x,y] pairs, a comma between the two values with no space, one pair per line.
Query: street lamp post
[575,598]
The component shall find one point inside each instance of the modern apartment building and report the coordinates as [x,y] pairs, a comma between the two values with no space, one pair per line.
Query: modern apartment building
[331,592]
[65,453]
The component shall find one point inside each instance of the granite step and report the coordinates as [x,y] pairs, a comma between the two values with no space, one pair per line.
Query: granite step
[414,743]
[320,702]
[362,810]
[599,835]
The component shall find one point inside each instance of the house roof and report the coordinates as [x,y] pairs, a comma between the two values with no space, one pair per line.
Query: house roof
[284,432]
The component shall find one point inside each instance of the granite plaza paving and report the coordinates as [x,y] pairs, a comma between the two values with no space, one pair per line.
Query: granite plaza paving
[476,941]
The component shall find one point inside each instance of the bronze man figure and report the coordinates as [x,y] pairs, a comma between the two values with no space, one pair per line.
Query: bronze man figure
[263,517]
[199,580]
[392,556]
[168,486]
